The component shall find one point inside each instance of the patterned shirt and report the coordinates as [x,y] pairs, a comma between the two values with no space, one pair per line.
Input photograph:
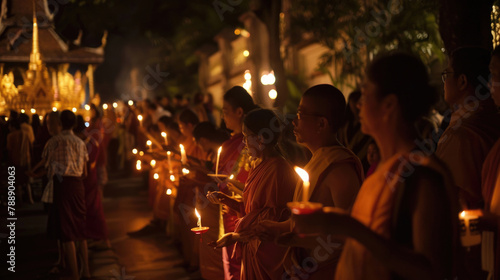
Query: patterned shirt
[65,154]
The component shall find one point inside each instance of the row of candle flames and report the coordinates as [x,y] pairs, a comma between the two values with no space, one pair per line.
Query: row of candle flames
[466,217]
[301,172]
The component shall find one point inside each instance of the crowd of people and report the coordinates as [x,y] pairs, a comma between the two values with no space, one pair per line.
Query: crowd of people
[391,180]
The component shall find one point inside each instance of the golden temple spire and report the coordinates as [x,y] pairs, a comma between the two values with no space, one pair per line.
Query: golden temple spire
[35,57]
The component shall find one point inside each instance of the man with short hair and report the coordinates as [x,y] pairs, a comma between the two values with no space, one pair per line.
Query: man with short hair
[474,123]
[66,155]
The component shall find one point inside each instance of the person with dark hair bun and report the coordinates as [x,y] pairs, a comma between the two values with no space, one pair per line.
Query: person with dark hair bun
[268,188]
[404,221]
[474,123]
[233,161]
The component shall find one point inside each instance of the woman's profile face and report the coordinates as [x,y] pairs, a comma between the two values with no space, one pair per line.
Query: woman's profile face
[369,108]
[252,142]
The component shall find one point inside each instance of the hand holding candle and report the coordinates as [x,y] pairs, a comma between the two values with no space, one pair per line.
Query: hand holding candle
[469,233]
[304,207]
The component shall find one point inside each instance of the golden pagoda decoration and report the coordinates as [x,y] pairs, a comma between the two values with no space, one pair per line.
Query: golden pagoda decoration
[37,86]
[51,78]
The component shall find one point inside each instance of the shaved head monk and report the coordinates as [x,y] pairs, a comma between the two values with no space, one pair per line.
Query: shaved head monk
[336,175]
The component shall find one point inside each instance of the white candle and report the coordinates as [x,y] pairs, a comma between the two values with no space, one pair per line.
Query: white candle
[140,119]
[169,154]
[217,163]
[164,135]
[199,218]
[305,186]
[149,143]
[183,154]
[470,234]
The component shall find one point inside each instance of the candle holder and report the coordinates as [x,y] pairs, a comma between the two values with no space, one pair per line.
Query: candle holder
[200,230]
[304,207]
[470,234]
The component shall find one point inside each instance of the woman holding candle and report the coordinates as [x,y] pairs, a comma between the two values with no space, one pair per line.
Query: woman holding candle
[404,220]
[236,104]
[268,188]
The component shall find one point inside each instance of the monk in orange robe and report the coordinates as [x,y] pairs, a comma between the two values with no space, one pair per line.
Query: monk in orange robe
[404,222]
[268,188]
[335,175]
[474,123]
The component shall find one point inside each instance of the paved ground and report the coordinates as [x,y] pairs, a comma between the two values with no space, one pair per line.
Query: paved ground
[125,206]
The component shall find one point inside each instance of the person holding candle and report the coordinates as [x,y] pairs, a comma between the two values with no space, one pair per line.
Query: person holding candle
[335,174]
[233,160]
[187,121]
[403,223]
[268,188]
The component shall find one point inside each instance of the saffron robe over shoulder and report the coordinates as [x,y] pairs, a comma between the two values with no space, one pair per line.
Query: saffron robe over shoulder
[375,207]
[321,163]
[464,145]
[269,187]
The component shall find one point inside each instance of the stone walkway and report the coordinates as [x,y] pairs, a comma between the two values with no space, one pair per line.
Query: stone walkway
[125,205]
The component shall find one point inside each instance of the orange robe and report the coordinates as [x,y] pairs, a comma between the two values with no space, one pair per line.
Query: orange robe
[268,188]
[218,264]
[321,163]
[463,146]
[491,195]
[375,208]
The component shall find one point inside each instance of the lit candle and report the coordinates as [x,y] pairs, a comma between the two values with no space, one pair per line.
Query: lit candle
[172,178]
[33,110]
[231,177]
[469,231]
[217,163]
[140,119]
[164,135]
[169,154]
[169,192]
[185,171]
[183,154]
[134,151]
[199,218]
[149,143]
[156,176]
[305,186]
[138,165]
[153,163]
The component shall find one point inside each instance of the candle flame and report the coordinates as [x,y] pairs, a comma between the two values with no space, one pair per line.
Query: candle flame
[168,152]
[462,214]
[185,171]
[149,142]
[141,153]
[163,134]
[169,192]
[231,177]
[156,176]
[172,178]
[302,173]
[182,147]
[139,117]
[153,163]
[197,214]
[138,165]
[134,151]
[220,150]
[33,110]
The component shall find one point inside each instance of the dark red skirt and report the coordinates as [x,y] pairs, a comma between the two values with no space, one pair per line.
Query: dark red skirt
[67,218]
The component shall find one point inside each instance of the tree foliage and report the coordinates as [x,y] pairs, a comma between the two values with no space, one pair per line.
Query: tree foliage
[355,31]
